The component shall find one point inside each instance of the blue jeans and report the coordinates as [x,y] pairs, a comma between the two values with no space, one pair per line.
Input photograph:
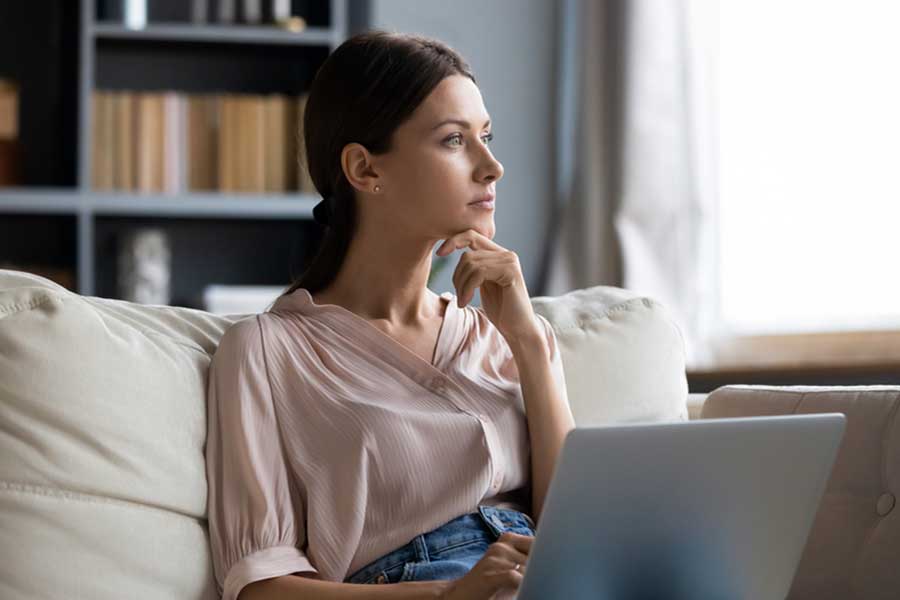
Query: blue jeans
[448,552]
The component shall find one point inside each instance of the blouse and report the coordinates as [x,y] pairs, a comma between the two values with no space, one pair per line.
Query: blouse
[330,443]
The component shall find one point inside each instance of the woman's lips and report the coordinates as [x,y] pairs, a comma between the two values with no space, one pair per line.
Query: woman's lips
[484,205]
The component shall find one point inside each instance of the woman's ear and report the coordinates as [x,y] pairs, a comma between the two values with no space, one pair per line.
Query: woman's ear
[359,167]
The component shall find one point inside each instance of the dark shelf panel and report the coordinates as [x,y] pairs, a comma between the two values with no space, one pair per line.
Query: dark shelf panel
[206,67]
[39,51]
[38,240]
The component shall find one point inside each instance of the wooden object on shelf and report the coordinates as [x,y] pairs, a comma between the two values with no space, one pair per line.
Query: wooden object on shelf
[9,110]
[10,149]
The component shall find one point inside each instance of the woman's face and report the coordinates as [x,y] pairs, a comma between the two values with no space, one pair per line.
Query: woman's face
[436,168]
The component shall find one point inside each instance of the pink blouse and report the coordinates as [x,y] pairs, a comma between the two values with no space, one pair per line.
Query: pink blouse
[331,444]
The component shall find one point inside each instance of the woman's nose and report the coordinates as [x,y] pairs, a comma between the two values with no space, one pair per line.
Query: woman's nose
[492,169]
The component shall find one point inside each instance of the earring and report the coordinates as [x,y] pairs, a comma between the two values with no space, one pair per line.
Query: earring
[377,188]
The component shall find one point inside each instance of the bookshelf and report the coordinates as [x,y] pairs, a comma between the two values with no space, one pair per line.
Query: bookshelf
[57,220]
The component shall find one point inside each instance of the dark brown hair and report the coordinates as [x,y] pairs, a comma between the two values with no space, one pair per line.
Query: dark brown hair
[365,89]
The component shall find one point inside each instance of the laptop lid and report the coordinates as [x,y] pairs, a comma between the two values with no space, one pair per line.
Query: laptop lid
[715,508]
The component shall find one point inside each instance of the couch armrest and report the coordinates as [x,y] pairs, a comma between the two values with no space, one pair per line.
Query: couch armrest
[853,546]
[695,404]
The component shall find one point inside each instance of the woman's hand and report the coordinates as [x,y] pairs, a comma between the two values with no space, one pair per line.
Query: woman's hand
[496,271]
[495,571]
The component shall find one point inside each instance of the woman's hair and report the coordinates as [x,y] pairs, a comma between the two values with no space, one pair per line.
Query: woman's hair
[362,93]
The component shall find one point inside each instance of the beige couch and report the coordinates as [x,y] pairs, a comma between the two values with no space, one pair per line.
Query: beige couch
[103,425]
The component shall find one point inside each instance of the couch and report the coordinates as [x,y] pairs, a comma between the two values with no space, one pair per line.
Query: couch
[103,426]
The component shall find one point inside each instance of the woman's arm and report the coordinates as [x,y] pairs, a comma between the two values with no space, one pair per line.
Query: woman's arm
[504,296]
[547,410]
[308,587]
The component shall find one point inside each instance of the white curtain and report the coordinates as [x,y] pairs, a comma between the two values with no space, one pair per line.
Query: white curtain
[636,157]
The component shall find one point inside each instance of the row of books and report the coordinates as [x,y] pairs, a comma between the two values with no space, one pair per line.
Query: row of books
[172,142]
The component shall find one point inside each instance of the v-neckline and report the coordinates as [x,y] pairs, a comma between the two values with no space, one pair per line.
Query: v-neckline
[375,335]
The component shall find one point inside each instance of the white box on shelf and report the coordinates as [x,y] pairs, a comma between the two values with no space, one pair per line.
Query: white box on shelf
[240,299]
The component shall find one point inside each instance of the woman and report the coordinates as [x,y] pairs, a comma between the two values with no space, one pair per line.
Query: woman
[364,429]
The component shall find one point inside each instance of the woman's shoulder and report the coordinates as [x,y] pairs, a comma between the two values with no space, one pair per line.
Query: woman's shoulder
[242,331]
[239,339]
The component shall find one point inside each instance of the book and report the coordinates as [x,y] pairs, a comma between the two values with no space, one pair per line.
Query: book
[149,147]
[202,153]
[251,128]
[174,143]
[10,149]
[279,144]
[227,143]
[103,166]
[123,144]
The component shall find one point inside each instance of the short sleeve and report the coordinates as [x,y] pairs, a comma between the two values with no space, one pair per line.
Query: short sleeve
[256,527]
[556,364]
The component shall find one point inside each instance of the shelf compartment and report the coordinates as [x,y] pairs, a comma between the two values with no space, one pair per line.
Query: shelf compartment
[41,244]
[190,66]
[247,252]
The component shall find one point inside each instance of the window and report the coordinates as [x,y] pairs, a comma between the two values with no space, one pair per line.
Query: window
[809,165]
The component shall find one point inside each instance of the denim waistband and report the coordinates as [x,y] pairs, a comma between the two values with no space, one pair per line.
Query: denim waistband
[487,524]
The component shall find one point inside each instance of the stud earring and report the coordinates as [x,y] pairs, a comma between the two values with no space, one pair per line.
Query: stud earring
[377,188]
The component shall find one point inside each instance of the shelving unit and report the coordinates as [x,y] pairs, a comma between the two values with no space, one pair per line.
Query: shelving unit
[247,239]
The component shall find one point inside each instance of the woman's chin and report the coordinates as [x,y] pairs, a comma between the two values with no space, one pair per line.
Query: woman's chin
[486,228]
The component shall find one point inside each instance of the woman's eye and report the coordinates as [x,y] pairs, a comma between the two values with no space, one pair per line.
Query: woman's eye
[487,137]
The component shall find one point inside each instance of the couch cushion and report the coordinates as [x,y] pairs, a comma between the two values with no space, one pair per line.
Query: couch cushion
[853,547]
[623,355]
[102,444]
[103,426]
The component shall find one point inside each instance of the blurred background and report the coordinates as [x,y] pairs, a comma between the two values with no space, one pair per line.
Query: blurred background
[733,159]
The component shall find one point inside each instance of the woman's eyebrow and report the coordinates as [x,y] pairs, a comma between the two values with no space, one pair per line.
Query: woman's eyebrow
[459,122]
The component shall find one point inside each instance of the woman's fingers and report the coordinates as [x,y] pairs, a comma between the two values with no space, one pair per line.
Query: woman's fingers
[472,272]
[471,238]
[506,578]
[514,547]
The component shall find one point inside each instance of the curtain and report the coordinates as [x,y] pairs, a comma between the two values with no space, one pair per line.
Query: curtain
[635,171]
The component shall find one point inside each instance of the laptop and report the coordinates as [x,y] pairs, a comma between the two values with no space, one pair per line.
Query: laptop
[700,510]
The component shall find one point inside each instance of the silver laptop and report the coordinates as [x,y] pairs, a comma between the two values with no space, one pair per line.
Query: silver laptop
[708,509]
